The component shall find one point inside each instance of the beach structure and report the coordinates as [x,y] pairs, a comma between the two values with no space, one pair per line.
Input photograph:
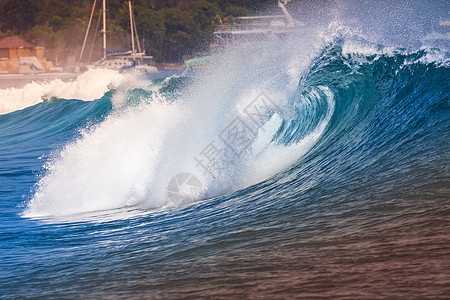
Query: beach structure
[19,56]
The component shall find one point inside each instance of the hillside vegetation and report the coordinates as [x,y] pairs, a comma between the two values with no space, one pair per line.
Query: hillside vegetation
[168,29]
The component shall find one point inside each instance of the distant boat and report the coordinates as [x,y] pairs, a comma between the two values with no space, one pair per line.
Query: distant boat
[249,28]
[121,60]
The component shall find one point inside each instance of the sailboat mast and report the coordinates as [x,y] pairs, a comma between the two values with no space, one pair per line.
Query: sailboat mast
[288,16]
[87,31]
[132,31]
[104,28]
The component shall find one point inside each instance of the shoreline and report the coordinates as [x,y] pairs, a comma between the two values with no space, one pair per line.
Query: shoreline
[19,80]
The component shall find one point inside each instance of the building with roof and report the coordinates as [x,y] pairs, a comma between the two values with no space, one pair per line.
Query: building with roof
[17,55]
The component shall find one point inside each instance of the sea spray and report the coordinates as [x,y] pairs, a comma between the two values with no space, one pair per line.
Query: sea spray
[131,157]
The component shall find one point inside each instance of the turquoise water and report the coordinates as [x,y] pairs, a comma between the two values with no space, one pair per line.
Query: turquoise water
[338,188]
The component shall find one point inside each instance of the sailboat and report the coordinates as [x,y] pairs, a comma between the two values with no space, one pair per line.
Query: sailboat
[120,60]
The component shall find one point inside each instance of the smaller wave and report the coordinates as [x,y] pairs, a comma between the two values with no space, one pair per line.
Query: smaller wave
[89,86]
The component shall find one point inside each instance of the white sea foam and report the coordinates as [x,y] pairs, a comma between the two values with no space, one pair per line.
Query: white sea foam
[110,166]
[130,158]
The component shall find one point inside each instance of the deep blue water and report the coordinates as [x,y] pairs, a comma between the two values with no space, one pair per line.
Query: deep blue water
[348,198]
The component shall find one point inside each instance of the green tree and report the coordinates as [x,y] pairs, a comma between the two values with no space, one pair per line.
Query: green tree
[169,29]
[19,14]
[152,29]
[180,31]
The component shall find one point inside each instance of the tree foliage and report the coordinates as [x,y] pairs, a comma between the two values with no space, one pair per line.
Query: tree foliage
[168,29]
